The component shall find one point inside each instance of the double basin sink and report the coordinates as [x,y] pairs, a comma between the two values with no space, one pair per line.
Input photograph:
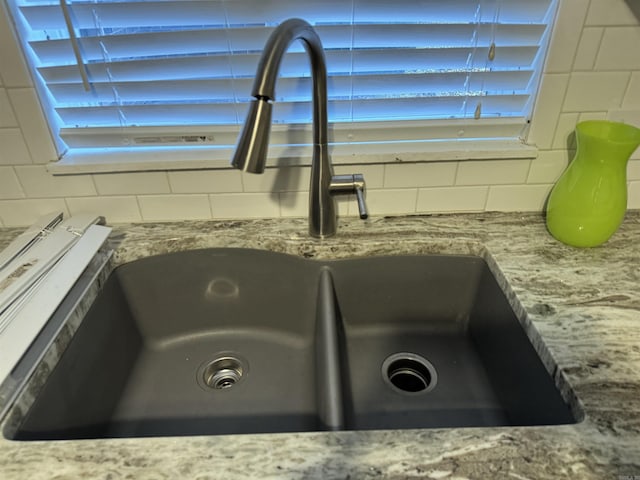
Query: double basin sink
[227,341]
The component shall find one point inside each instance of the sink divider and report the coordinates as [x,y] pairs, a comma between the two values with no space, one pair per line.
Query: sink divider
[330,389]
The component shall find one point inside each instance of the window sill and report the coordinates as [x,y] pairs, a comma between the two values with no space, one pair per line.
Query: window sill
[88,161]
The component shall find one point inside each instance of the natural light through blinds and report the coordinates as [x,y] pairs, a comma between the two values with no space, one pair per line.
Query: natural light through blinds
[167,71]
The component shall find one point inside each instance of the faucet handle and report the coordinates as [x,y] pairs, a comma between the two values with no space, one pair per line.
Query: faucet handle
[348,184]
[359,184]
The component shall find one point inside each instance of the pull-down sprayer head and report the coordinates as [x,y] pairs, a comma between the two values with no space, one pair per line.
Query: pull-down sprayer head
[253,142]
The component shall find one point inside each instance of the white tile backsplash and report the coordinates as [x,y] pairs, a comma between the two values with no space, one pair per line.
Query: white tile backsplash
[547,109]
[632,96]
[595,91]
[7,117]
[13,149]
[583,117]
[548,167]
[33,125]
[420,174]
[566,35]
[174,207]
[24,212]
[619,49]
[347,205]
[9,185]
[564,137]
[633,200]
[492,172]
[245,205]
[625,115]
[631,117]
[131,183]
[37,182]
[13,69]
[517,198]
[611,13]
[294,204]
[588,48]
[115,209]
[592,72]
[206,181]
[287,179]
[452,199]
[391,201]
[373,174]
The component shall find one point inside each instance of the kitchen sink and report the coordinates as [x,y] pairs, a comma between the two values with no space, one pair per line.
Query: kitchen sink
[228,341]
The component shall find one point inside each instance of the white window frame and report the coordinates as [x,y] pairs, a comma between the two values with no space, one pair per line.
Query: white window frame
[443,141]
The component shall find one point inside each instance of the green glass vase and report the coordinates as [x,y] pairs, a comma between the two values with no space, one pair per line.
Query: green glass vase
[589,201]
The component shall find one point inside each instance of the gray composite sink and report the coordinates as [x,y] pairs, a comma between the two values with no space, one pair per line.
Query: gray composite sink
[223,341]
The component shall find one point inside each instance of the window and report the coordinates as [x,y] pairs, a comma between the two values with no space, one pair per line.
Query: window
[159,75]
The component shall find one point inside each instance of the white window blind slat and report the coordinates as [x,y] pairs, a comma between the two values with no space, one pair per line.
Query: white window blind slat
[293,89]
[168,64]
[365,62]
[164,113]
[46,15]
[251,40]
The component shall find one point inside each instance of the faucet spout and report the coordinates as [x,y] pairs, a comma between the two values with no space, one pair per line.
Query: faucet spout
[251,149]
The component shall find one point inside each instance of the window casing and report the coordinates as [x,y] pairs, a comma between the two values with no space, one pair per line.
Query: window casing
[172,78]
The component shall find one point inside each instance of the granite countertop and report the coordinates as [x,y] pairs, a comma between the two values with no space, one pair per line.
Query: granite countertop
[584,303]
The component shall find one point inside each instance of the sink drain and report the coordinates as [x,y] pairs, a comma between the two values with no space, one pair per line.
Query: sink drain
[222,373]
[409,373]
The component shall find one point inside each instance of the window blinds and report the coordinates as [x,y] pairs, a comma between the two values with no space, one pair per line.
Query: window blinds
[167,72]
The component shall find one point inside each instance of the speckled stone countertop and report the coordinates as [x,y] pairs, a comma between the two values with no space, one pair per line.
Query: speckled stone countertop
[583,303]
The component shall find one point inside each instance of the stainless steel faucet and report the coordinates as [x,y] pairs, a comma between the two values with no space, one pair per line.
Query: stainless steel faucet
[251,149]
